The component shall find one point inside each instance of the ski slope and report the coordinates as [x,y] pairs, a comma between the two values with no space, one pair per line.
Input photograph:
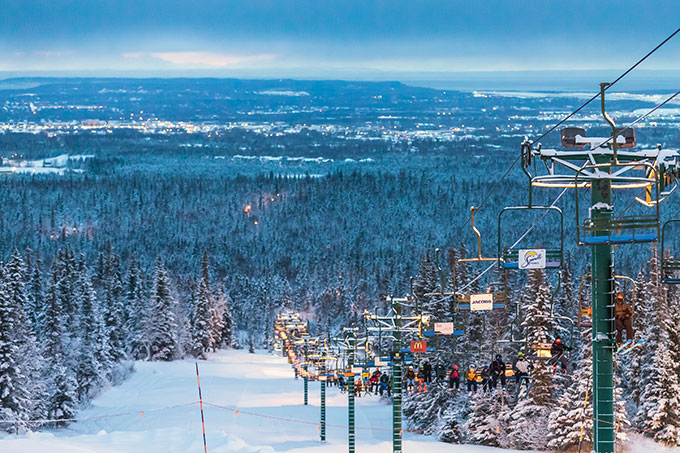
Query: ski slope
[259,383]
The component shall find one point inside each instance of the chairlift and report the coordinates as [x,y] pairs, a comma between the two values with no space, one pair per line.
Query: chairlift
[544,258]
[670,267]
[496,295]
[618,230]
[586,310]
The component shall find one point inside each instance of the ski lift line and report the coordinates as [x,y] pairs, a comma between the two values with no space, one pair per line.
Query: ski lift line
[628,71]
[515,244]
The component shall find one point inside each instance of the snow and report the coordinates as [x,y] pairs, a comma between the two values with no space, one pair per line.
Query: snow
[258,383]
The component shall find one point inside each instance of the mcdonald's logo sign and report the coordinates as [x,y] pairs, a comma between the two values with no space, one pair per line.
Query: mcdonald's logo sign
[419,346]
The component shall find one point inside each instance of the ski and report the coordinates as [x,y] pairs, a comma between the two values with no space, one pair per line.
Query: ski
[627,350]
[624,345]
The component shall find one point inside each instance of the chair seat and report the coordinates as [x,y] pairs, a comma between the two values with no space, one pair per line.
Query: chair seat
[620,239]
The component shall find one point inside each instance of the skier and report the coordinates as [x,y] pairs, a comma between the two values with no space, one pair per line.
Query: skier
[624,319]
[471,379]
[341,384]
[375,380]
[521,369]
[440,371]
[427,369]
[454,378]
[384,380]
[497,370]
[410,379]
[557,351]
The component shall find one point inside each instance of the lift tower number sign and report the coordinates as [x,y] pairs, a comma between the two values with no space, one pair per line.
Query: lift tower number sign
[532,259]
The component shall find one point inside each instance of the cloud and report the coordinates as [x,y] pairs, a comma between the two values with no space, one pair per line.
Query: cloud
[202,59]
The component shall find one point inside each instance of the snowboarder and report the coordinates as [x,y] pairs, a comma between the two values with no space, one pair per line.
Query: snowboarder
[557,351]
[384,380]
[521,369]
[471,379]
[427,369]
[497,370]
[624,319]
[454,378]
[410,379]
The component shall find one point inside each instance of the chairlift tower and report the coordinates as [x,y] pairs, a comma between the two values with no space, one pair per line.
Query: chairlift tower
[597,163]
[394,325]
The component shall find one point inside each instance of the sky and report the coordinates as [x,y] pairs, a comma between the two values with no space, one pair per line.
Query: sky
[322,38]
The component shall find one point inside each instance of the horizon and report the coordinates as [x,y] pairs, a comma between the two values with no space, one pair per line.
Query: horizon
[311,40]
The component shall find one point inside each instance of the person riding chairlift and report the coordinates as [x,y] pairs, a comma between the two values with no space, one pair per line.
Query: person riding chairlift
[624,319]
[557,351]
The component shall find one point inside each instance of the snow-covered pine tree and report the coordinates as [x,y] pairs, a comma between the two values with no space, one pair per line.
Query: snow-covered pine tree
[534,406]
[61,386]
[14,404]
[571,422]
[227,321]
[30,359]
[219,305]
[138,311]
[201,329]
[113,310]
[35,295]
[163,321]
[93,364]
[658,414]
[484,423]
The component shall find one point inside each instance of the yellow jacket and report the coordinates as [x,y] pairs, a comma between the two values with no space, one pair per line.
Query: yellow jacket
[471,374]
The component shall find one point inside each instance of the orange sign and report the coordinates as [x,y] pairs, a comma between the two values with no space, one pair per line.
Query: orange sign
[419,346]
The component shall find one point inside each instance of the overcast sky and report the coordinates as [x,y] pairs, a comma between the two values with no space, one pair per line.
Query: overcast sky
[319,37]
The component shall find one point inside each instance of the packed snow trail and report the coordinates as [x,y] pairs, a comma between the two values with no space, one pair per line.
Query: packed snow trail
[258,383]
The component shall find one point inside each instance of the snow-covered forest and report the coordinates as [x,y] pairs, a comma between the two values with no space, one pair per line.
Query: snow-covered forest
[69,331]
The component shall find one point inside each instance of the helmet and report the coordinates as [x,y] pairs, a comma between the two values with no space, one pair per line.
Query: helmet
[455,367]
[498,357]
[410,368]
[558,340]
[521,354]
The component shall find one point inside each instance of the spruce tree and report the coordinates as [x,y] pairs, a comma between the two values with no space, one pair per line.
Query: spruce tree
[163,344]
[14,404]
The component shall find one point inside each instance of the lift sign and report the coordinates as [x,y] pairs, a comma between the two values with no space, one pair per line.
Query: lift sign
[419,346]
[532,259]
[481,302]
[443,328]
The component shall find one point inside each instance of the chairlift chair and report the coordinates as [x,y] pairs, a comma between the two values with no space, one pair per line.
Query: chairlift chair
[497,290]
[510,259]
[586,310]
[670,267]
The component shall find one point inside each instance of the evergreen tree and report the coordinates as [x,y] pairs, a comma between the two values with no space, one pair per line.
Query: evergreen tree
[163,345]
[14,404]
[138,309]
[201,329]
[114,312]
[484,425]
[92,359]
